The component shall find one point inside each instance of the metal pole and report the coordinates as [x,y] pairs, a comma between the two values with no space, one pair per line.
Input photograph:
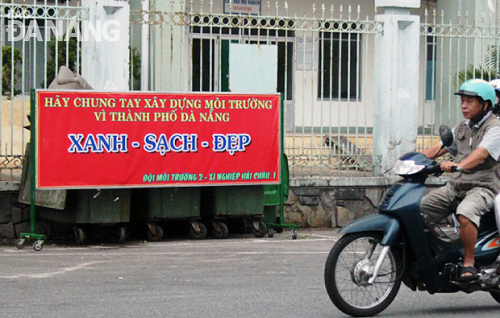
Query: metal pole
[32,161]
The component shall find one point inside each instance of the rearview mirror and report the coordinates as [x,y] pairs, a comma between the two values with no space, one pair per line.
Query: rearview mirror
[446,135]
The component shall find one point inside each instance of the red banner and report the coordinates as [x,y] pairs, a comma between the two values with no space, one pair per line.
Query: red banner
[88,139]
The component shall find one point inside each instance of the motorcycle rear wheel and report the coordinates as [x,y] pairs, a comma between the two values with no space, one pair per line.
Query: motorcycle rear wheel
[346,278]
[496,296]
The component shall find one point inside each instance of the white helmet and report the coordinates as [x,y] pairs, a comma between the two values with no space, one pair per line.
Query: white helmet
[496,85]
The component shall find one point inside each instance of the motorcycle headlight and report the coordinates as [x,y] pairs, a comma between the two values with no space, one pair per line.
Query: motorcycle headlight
[406,167]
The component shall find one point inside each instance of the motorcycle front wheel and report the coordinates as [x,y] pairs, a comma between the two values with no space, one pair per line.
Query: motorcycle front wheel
[348,269]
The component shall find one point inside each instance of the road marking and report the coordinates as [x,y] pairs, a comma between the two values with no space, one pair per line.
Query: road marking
[52,274]
[125,254]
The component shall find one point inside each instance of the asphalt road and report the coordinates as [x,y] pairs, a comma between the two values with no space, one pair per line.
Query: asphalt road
[236,277]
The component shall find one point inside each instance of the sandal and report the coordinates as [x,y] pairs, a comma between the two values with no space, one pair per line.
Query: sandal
[467,278]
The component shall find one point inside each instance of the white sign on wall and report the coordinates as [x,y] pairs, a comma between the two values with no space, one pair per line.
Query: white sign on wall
[398,3]
[307,53]
[253,68]
[244,7]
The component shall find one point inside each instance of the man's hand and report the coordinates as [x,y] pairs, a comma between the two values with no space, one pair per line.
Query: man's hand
[447,165]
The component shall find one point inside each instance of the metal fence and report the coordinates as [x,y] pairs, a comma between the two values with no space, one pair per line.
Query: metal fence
[324,73]
[34,42]
[325,69]
[457,48]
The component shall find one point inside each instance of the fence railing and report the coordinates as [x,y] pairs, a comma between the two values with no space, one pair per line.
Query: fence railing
[324,73]
[325,69]
[456,48]
[33,44]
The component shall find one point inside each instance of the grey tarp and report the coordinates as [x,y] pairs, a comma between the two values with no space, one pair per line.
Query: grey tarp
[56,199]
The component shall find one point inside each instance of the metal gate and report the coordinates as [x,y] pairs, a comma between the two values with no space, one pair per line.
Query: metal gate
[457,48]
[35,40]
[325,68]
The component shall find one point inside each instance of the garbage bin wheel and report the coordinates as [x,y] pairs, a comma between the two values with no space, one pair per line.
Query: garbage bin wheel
[20,244]
[158,235]
[38,245]
[201,234]
[238,226]
[79,235]
[222,231]
[279,229]
[48,230]
[122,233]
[270,232]
[261,232]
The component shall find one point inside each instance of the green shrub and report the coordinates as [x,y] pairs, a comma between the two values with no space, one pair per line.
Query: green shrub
[135,63]
[8,74]
[485,72]
[68,51]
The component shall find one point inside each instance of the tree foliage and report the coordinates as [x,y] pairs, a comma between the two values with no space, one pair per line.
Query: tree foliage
[10,70]
[484,72]
[135,66]
[488,72]
[68,52]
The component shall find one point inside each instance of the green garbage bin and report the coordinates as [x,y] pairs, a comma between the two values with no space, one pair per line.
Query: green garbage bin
[155,205]
[235,202]
[108,207]
[274,198]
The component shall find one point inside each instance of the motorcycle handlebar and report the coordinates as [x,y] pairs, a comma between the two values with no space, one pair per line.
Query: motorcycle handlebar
[436,168]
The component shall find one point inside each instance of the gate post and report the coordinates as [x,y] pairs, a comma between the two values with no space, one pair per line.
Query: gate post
[170,71]
[397,80]
[105,44]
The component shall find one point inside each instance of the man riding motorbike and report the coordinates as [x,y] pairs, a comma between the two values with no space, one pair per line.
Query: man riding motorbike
[476,148]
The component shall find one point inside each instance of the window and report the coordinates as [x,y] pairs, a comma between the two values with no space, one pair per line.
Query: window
[203,65]
[285,58]
[339,65]
[430,76]
[210,50]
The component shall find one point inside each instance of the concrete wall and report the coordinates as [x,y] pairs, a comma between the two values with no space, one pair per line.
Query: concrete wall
[15,217]
[331,207]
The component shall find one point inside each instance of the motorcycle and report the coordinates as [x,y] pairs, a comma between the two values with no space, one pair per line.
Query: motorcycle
[365,268]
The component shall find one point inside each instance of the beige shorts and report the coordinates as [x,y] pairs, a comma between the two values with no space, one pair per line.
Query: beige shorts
[475,204]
